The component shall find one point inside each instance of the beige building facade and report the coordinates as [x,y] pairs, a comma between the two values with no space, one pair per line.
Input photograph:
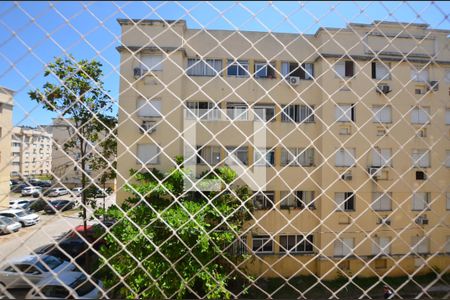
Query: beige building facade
[31,153]
[6,125]
[357,152]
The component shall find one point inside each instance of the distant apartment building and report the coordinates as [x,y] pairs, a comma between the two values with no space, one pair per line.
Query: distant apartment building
[6,125]
[31,152]
[357,153]
[66,165]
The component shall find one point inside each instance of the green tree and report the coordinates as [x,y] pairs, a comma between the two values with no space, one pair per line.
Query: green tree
[168,243]
[74,90]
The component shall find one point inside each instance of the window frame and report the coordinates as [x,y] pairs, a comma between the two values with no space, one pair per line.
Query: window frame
[343,244]
[210,160]
[377,111]
[264,162]
[418,155]
[297,157]
[422,203]
[374,71]
[303,244]
[146,103]
[212,112]
[256,116]
[301,199]
[239,65]
[341,115]
[267,197]
[269,70]
[378,197]
[235,114]
[138,158]
[297,113]
[264,240]
[349,68]
[206,65]
[234,150]
[347,203]
[347,153]
[156,67]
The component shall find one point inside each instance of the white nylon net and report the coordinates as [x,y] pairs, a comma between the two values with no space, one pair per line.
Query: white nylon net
[224,150]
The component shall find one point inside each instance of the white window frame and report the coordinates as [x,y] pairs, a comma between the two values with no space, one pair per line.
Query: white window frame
[264,240]
[233,151]
[345,157]
[343,247]
[209,155]
[420,244]
[301,243]
[297,199]
[382,66]
[263,108]
[297,157]
[156,65]
[342,198]
[381,157]
[345,113]
[382,114]
[447,116]
[262,157]
[204,67]
[419,73]
[266,198]
[381,201]
[339,69]
[421,201]
[241,67]
[421,158]
[420,115]
[153,160]
[237,111]
[148,108]
[448,200]
[447,158]
[381,245]
[212,113]
[302,113]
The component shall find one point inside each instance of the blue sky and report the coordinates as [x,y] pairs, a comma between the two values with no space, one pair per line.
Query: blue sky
[33,33]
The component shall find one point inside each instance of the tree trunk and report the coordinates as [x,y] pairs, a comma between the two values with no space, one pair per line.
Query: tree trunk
[83,183]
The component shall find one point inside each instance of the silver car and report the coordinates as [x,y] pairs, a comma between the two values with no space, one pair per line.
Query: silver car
[72,285]
[8,225]
[21,216]
[29,270]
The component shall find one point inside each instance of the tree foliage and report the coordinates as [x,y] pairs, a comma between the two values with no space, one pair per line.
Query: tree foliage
[168,243]
[75,91]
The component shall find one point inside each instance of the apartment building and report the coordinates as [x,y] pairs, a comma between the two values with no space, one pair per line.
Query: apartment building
[357,153]
[31,152]
[6,125]
[66,162]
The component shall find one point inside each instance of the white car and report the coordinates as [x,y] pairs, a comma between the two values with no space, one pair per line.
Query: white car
[18,203]
[8,225]
[29,270]
[76,192]
[21,216]
[56,192]
[68,285]
[32,191]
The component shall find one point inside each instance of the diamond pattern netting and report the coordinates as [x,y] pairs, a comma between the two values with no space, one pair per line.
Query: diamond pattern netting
[165,38]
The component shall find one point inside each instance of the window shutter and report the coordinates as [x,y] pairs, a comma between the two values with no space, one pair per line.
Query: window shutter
[349,68]
[374,71]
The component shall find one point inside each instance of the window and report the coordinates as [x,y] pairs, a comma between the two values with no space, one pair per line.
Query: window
[262,244]
[148,108]
[237,111]
[345,113]
[207,67]
[419,73]
[208,155]
[296,243]
[381,245]
[297,157]
[447,116]
[448,200]
[343,247]
[420,115]
[264,157]
[297,199]
[420,244]
[82,285]
[297,113]
[421,201]
[238,155]
[264,112]
[447,159]
[148,153]
[151,62]
[344,68]
[237,68]
[382,114]
[345,201]
[263,200]
[202,110]
[239,246]
[345,157]
[421,158]
[55,291]
[303,71]
[381,201]
[380,71]
[381,157]
[264,70]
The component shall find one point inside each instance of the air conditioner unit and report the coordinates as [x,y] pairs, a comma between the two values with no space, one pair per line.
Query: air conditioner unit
[294,80]
[421,175]
[422,220]
[137,73]
[148,127]
[384,221]
[383,89]
[347,176]
[433,86]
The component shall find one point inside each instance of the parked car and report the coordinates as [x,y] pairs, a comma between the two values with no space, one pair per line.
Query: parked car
[76,192]
[14,182]
[68,285]
[8,225]
[58,205]
[94,192]
[19,187]
[44,184]
[56,192]
[19,203]
[21,216]
[36,205]
[34,268]
[34,191]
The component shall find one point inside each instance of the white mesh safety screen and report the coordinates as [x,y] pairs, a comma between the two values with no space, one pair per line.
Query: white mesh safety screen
[224,150]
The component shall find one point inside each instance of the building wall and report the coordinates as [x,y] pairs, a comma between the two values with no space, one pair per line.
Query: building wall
[357,42]
[31,152]
[6,106]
